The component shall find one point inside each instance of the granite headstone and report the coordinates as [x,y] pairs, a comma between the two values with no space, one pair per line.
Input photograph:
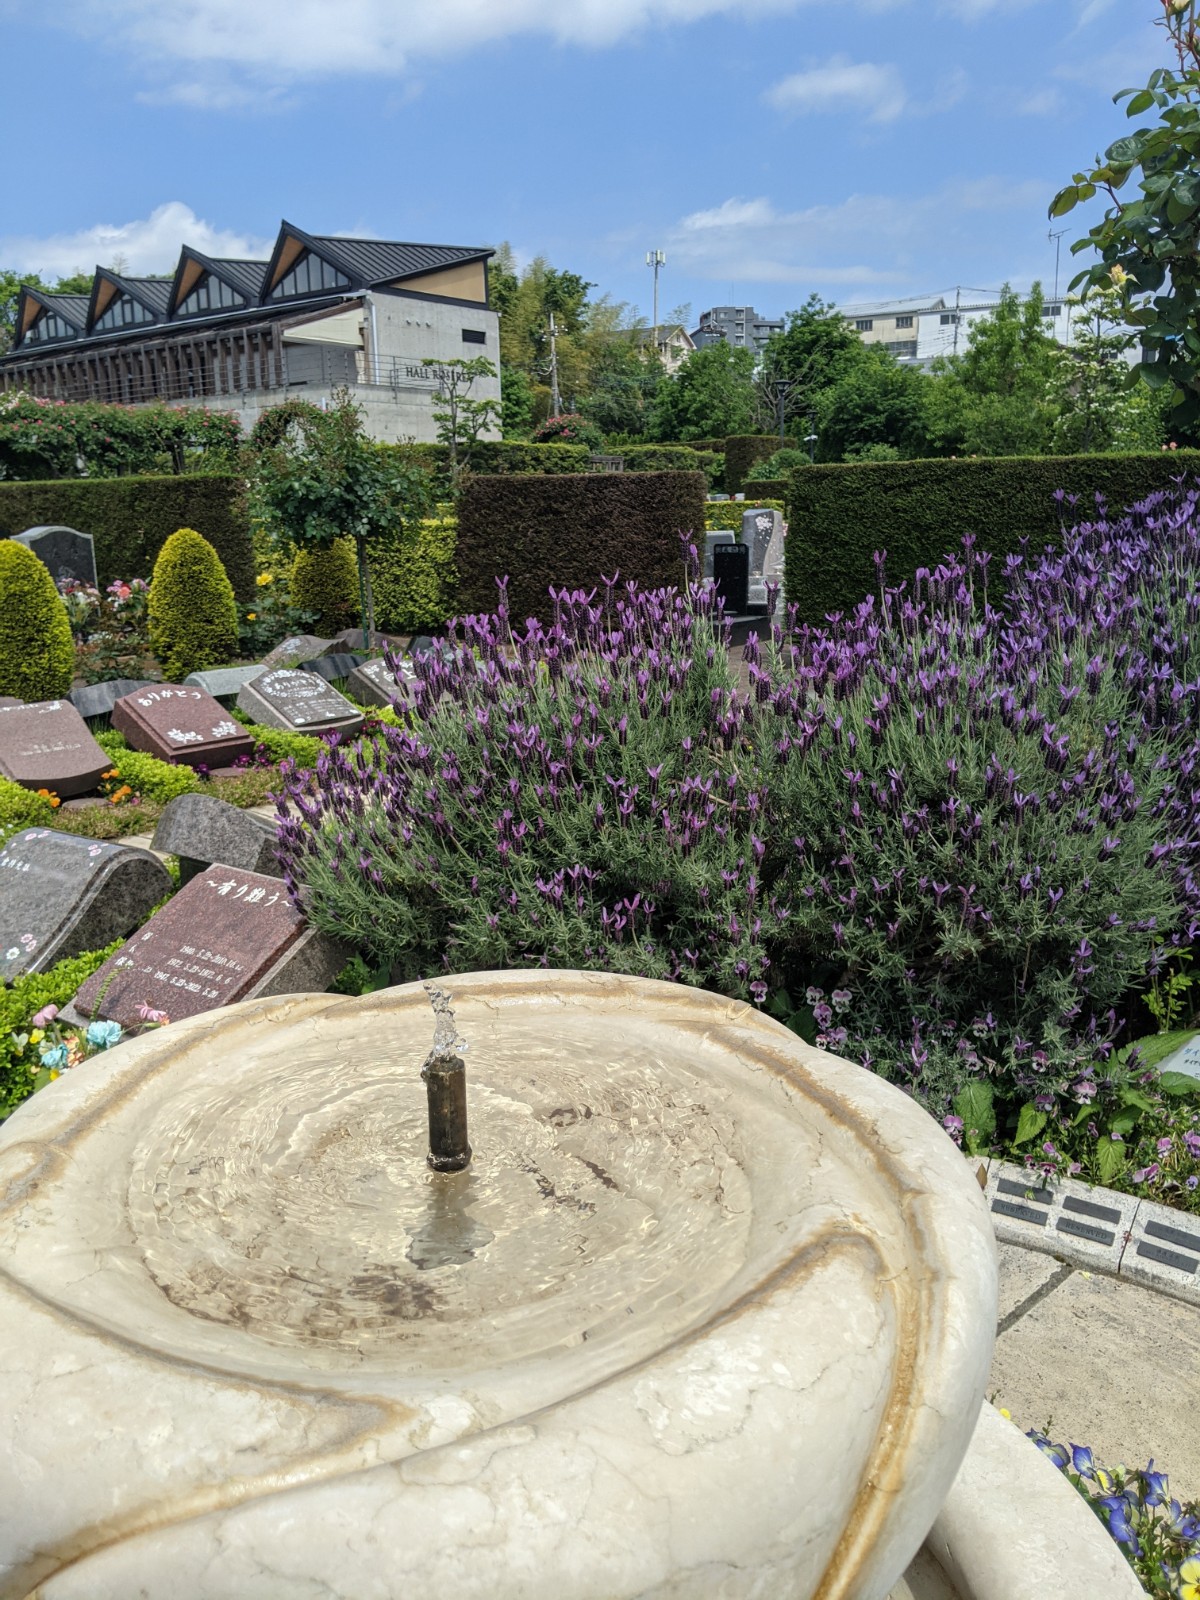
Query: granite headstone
[226,936]
[711,540]
[289,652]
[182,724]
[299,702]
[333,668]
[47,745]
[352,639]
[375,684]
[7,700]
[61,894]
[96,700]
[225,683]
[69,554]
[200,829]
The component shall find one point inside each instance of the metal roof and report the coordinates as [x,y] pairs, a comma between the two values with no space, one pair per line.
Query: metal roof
[155,292]
[72,307]
[245,276]
[380,260]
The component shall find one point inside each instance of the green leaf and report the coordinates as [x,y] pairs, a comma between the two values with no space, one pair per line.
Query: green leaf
[1066,200]
[1142,101]
[1179,1083]
[1110,1160]
[1124,1122]
[1029,1124]
[1126,151]
[974,1103]
[1135,1097]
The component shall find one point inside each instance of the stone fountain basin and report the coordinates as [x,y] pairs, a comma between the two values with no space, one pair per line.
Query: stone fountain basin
[710,1314]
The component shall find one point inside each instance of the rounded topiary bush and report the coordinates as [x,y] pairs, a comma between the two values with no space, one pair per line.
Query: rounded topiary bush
[325,583]
[37,652]
[193,611]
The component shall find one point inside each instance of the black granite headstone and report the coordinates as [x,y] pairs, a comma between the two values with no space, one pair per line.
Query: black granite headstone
[69,554]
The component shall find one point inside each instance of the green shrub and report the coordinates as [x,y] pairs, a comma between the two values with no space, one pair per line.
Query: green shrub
[743,450]
[759,491]
[129,519]
[23,999]
[494,457]
[571,531]
[568,427]
[414,578]
[840,515]
[148,777]
[659,458]
[324,582]
[42,439]
[712,464]
[193,612]
[778,465]
[21,808]
[37,650]
[282,745]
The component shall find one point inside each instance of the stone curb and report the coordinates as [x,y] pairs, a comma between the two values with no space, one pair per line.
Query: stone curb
[1096,1229]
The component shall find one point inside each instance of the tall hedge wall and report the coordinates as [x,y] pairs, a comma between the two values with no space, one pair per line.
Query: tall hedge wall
[838,516]
[504,456]
[129,518]
[413,577]
[744,449]
[544,531]
[659,458]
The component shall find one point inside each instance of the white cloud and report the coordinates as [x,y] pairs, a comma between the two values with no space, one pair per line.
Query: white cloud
[873,240]
[840,84]
[150,244]
[1041,103]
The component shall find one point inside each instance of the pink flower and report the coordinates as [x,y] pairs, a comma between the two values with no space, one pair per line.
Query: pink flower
[147,1013]
[44,1017]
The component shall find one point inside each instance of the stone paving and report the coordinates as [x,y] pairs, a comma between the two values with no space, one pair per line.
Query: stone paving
[1108,1363]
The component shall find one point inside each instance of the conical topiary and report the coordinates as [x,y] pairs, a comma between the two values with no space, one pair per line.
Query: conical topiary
[37,652]
[193,611]
[325,582]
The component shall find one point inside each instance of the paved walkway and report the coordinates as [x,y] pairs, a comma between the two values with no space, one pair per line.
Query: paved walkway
[1106,1363]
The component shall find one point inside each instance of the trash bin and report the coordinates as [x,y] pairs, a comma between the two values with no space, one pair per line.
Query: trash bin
[731,573]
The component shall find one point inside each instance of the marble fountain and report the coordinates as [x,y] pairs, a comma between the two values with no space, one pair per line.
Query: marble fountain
[707,1316]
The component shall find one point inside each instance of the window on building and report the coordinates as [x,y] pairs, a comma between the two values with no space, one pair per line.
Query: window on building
[50,326]
[865,324]
[948,318]
[210,294]
[1052,311]
[904,322]
[310,275]
[123,312]
[903,349]
[473,336]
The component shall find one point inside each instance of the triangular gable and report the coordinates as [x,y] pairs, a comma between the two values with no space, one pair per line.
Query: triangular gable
[108,286]
[194,267]
[69,309]
[290,247]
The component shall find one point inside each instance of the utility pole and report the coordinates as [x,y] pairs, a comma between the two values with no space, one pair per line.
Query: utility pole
[655,259]
[957,304]
[1057,237]
[555,399]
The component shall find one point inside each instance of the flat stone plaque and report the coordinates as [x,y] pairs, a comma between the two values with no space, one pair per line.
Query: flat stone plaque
[47,745]
[209,946]
[61,894]
[225,683]
[179,723]
[200,829]
[94,700]
[70,555]
[300,702]
[289,652]
[374,683]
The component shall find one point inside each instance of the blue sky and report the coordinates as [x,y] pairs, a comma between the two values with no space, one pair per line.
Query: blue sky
[771,148]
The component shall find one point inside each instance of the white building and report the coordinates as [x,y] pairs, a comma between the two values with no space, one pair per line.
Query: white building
[918,329]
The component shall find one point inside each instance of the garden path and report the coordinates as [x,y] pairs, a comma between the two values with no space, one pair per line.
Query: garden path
[1104,1362]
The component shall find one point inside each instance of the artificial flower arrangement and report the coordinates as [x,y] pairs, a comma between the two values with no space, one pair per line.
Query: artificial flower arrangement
[61,1048]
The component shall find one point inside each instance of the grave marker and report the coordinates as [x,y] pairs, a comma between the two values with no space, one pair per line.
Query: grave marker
[179,723]
[47,745]
[225,683]
[226,936]
[200,829]
[96,700]
[69,554]
[333,667]
[1185,1059]
[298,702]
[61,894]
[374,683]
[289,652]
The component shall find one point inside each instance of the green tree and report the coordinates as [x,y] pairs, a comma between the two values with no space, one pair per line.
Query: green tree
[875,402]
[516,403]
[711,395]
[815,350]
[321,477]
[460,417]
[991,400]
[1095,408]
[621,367]
[1147,246]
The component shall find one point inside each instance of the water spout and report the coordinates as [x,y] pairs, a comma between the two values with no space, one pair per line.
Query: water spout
[445,1079]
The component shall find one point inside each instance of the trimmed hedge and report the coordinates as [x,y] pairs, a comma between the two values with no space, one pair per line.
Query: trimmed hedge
[129,519]
[502,456]
[917,511]
[744,449]
[771,488]
[192,611]
[324,581]
[37,651]
[414,579]
[659,458]
[571,531]
[720,514]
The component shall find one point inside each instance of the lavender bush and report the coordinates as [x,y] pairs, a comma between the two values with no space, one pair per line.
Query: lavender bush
[571,796]
[955,835]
